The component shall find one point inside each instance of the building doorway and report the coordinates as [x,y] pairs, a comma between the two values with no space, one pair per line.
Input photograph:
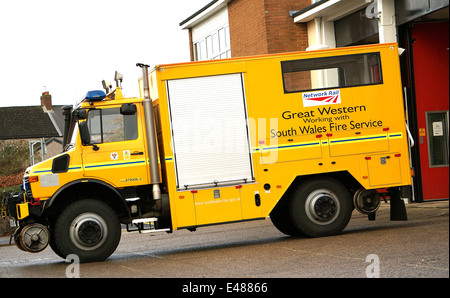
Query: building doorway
[430,50]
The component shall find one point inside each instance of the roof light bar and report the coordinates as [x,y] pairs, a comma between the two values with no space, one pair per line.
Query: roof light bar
[95,95]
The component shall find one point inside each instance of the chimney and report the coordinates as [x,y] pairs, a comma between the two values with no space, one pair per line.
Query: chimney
[46,100]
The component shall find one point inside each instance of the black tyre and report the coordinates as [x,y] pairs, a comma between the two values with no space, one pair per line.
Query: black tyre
[89,229]
[52,241]
[282,221]
[321,207]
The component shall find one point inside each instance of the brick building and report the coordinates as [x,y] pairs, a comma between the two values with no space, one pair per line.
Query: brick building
[235,28]
[255,27]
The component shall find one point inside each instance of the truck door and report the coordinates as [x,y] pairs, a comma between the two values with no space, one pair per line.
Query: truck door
[116,152]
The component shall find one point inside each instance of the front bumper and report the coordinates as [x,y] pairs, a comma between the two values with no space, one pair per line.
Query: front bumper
[20,205]
[32,232]
[9,204]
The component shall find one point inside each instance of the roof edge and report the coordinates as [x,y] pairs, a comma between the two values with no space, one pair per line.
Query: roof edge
[198,12]
[302,11]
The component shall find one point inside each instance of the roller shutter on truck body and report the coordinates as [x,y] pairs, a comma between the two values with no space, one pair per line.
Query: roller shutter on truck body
[210,136]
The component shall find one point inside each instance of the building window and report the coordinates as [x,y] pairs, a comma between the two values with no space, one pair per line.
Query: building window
[331,72]
[213,46]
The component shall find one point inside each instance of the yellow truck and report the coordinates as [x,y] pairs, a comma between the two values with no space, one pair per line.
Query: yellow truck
[303,138]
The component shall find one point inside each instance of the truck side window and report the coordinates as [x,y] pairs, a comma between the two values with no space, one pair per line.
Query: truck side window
[109,125]
[331,72]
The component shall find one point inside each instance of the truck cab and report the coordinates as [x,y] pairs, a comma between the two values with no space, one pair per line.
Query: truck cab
[104,160]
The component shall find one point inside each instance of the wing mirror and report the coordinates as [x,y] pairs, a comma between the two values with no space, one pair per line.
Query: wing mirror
[84,133]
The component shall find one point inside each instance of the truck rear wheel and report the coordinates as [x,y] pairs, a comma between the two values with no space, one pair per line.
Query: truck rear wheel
[321,207]
[89,229]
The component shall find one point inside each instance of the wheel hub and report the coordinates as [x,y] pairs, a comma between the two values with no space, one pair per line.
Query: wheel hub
[325,207]
[88,231]
[322,206]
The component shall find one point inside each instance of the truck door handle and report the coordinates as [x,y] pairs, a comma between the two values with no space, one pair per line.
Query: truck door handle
[137,153]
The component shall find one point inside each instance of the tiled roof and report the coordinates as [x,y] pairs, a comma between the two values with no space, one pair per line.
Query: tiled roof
[29,122]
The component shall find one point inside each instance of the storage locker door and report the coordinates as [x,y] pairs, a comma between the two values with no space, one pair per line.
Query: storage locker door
[209,131]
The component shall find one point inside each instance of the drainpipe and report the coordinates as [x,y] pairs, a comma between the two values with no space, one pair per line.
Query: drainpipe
[152,148]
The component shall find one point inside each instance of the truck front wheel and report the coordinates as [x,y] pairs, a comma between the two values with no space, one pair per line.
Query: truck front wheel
[321,207]
[89,229]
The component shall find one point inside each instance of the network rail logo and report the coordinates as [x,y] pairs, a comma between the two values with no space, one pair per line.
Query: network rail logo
[319,98]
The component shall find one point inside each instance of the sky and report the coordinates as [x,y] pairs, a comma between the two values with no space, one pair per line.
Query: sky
[68,47]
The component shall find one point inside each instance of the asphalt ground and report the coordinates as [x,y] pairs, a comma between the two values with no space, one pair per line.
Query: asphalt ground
[442,205]
[417,248]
